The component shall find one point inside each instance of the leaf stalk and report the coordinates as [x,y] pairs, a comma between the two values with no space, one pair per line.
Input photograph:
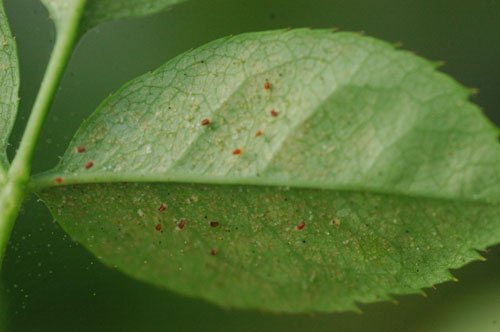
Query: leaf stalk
[15,188]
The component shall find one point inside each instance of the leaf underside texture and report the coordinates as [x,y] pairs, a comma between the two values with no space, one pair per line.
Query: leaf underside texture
[9,85]
[291,171]
[96,12]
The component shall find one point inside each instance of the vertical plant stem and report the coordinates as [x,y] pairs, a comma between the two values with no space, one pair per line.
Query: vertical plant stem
[15,187]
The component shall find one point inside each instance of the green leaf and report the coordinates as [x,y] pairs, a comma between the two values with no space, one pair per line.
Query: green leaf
[9,86]
[293,171]
[99,11]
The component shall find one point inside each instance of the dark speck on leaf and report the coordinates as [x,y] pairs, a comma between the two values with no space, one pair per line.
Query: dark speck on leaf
[213,252]
[89,164]
[335,222]
[214,223]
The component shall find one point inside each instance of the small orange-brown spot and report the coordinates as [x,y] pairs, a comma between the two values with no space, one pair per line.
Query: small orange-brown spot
[274,113]
[58,180]
[89,164]
[259,133]
[214,223]
[158,227]
[80,149]
[205,122]
[181,224]
[267,85]
[213,251]
[237,151]
[300,226]
[162,207]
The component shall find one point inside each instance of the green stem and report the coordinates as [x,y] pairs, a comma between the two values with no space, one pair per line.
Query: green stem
[15,187]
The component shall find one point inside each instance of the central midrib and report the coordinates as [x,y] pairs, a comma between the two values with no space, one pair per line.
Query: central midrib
[46,180]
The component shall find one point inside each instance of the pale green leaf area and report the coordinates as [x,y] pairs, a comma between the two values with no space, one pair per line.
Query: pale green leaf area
[9,85]
[100,11]
[355,246]
[339,169]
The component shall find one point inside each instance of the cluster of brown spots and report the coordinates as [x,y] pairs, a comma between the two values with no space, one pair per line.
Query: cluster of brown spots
[300,226]
[158,227]
[259,133]
[80,149]
[58,180]
[205,122]
[89,164]
[267,85]
[214,223]
[181,224]
[237,151]
[162,207]
[213,251]
[274,113]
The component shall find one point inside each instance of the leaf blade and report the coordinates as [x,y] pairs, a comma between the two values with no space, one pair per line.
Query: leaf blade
[9,84]
[337,112]
[100,11]
[354,248]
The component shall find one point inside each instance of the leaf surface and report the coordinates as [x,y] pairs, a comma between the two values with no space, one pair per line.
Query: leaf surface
[9,86]
[293,171]
[96,12]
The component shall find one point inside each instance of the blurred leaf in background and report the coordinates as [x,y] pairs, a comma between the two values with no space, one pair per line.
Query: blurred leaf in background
[61,287]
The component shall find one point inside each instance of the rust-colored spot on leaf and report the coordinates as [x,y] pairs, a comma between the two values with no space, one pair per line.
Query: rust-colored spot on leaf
[158,227]
[58,180]
[274,113]
[162,207]
[300,226]
[267,85]
[181,224]
[205,122]
[214,223]
[213,251]
[259,133]
[237,151]
[89,164]
[80,149]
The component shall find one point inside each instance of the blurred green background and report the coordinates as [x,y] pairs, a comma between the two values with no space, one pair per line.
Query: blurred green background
[52,284]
